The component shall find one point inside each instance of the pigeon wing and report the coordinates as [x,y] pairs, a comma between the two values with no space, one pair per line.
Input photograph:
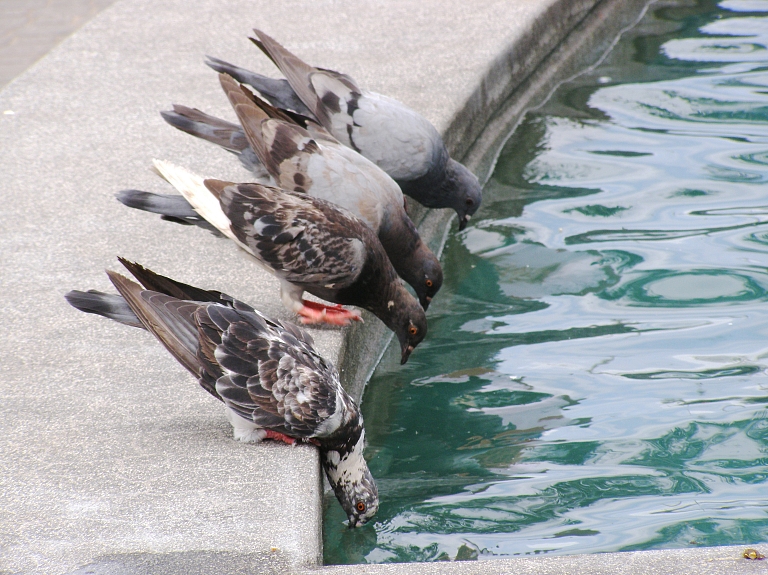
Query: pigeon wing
[284,147]
[267,375]
[170,320]
[326,93]
[307,241]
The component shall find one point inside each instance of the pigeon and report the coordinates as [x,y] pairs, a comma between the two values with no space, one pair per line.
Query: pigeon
[272,381]
[396,138]
[281,152]
[310,245]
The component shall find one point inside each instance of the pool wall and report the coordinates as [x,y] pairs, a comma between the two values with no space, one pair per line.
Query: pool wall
[113,461]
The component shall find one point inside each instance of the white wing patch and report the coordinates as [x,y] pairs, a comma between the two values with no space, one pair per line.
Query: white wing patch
[193,189]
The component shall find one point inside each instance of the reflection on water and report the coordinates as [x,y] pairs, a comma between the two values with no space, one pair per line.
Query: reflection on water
[594,376]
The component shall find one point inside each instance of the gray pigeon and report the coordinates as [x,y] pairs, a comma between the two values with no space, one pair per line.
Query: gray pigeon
[310,245]
[308,159]
[316,163]
[273,383]
[397,139]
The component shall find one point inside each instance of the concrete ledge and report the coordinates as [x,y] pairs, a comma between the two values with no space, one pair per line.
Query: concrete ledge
[703,561]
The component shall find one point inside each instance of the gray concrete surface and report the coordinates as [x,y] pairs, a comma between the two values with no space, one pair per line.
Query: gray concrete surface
[30,28]
[113,461]
[705,561]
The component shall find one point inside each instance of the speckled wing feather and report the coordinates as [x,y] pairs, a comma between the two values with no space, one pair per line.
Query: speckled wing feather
[284,147]
[310,83]
[169,319]
[305,240]
[173,312]
[266,375]
[155,282]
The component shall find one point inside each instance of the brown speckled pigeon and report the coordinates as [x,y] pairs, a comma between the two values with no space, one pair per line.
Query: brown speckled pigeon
[271,379]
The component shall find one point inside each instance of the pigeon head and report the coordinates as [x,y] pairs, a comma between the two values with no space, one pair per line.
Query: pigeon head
[411,257]
[463,187]
[423,272]
[360,500]
[409,322]
[352,481]
[431,280]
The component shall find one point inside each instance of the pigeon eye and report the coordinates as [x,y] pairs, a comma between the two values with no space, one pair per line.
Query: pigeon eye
[413,330]
[360,506]
[469,201]
[429,283]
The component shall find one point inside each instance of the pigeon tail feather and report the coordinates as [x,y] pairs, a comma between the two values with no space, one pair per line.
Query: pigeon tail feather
[111,306]
[277,92]
[194,190]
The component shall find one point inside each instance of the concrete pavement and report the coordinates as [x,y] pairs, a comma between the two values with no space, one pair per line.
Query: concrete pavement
[29,29]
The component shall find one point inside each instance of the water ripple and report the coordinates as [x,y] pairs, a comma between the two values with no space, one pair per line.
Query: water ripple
[669,288]
[649,235]
[595,377]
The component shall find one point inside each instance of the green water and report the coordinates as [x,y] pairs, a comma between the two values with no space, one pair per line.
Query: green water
[594,378]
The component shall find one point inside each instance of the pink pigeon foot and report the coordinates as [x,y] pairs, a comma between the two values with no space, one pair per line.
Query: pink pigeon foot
[277,436]
[314,312]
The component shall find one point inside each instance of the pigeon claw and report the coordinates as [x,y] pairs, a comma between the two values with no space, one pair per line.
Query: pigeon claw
[313,312]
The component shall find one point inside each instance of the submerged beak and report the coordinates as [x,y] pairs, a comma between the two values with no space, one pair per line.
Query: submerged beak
[463,222]
[406,353]
[352,521]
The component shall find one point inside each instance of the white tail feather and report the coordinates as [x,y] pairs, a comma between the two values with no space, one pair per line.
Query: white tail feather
[193,189]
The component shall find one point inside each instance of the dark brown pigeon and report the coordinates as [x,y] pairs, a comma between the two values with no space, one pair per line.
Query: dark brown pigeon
[309,245]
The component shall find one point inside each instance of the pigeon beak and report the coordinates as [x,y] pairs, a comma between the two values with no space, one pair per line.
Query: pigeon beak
[425,302]
[406,353]
[463,222]
[352,522]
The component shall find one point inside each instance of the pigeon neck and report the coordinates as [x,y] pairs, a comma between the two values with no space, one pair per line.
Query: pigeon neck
[352,482]
[347,463]
[390,303]
[427,188]
[402,244]
[345,439]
